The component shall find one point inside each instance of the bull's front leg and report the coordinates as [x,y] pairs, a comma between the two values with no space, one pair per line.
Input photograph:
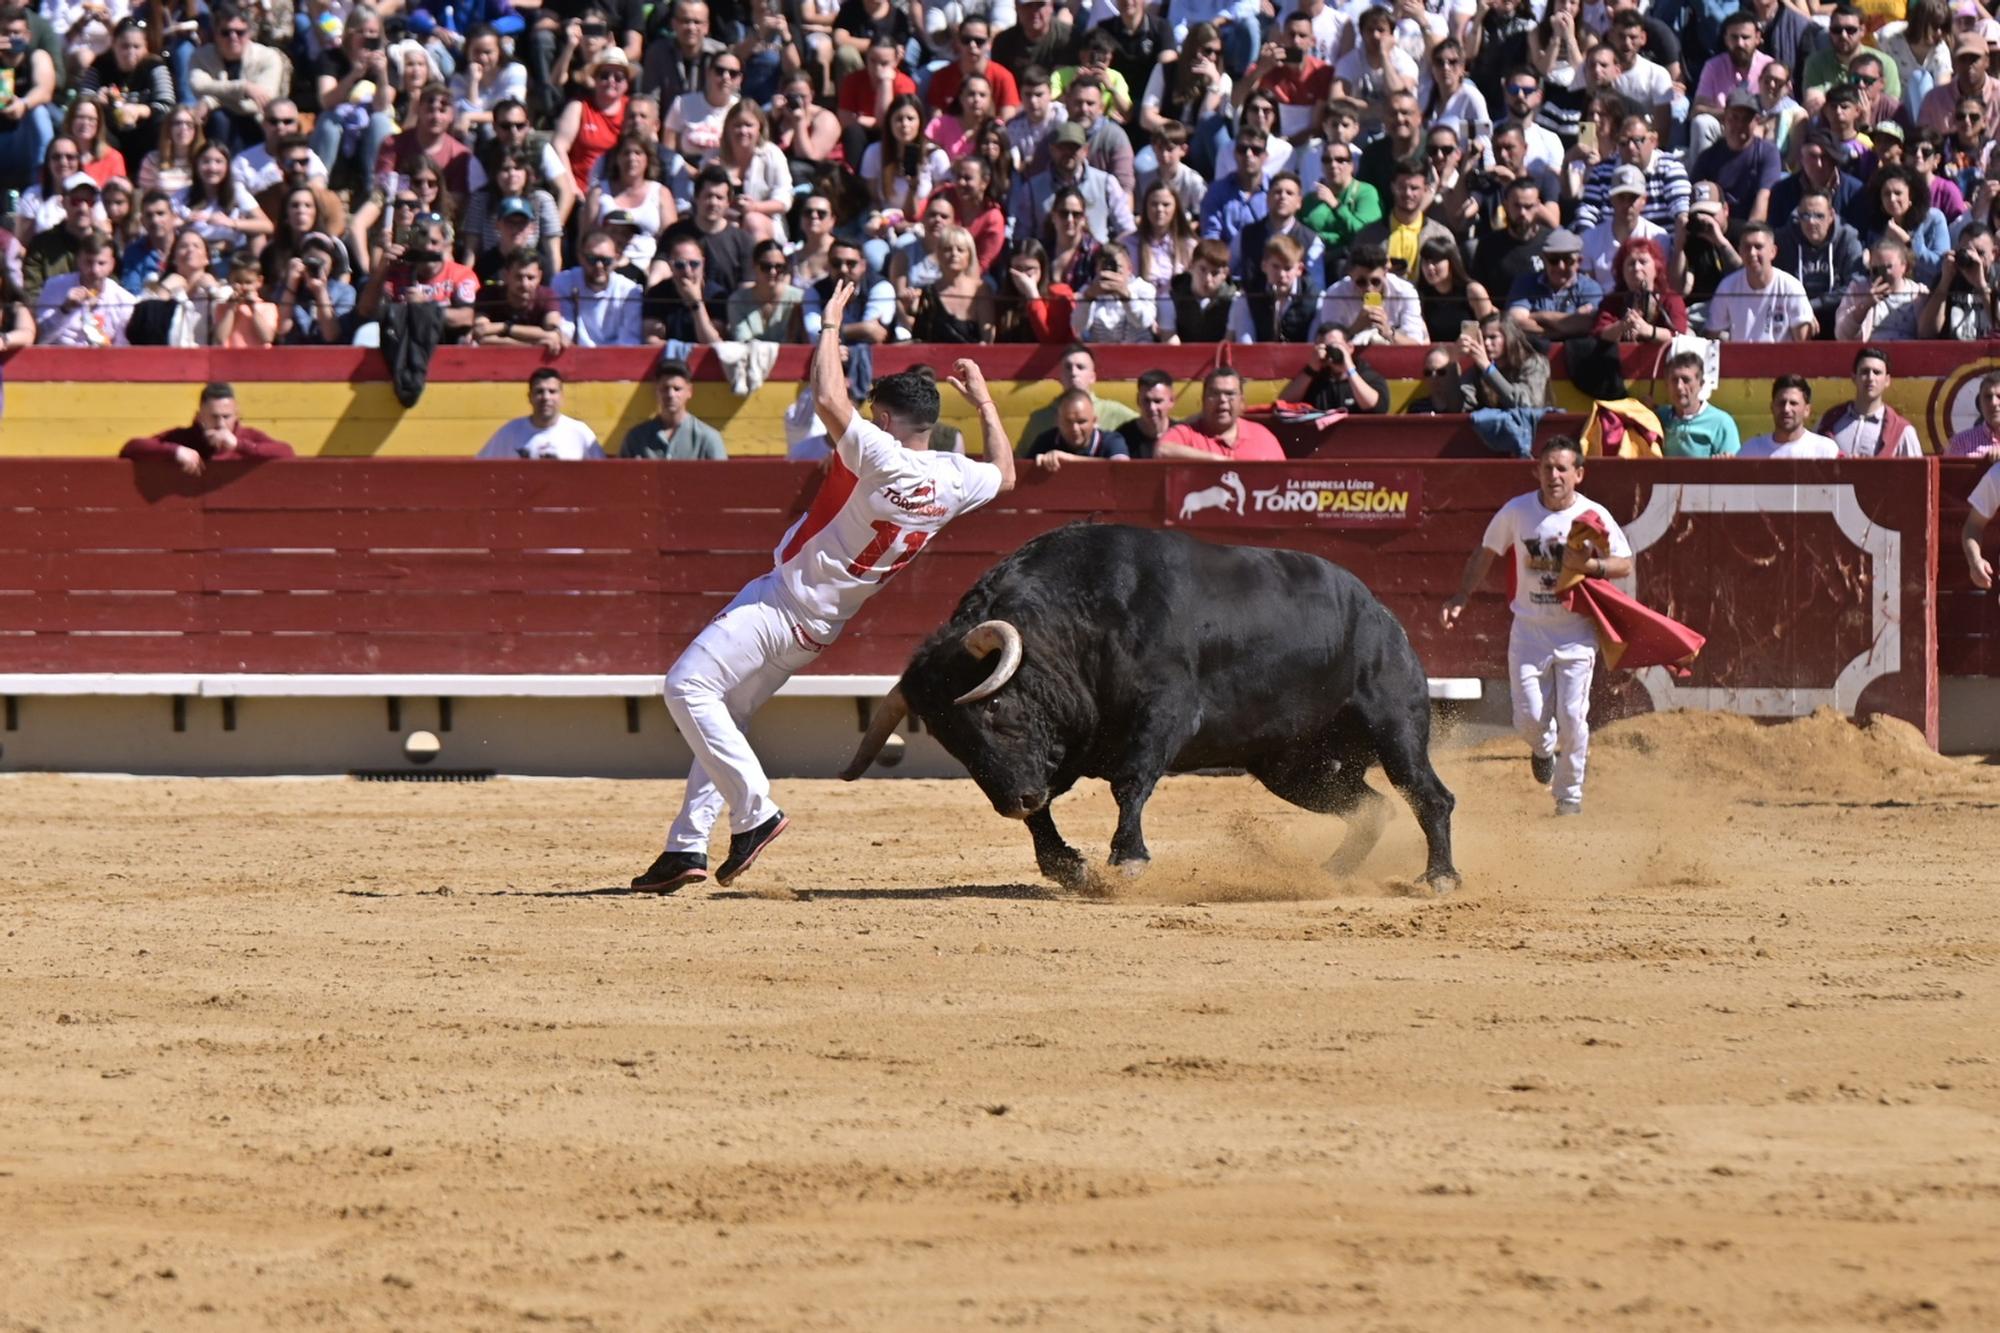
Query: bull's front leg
[1128,841]
[1056,859]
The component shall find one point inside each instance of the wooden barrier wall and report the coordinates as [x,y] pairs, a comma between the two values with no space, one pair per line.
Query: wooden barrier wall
[1815,582]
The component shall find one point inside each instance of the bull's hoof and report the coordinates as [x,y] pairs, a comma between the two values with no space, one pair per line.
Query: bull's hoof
[1440,882]
[1132,866]
[1343,867]
[1069,870]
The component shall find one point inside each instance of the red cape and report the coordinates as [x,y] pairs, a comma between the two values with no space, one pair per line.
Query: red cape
[1629,633]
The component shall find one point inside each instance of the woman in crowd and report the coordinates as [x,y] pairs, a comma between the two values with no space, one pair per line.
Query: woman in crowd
[805,132]
[41,204]
[979,211]
[1449,295]
[181,297]
[1553,50]
[216,204]
[298,217]
[901,168]
[1193,89]
[1904,213]
[957,131]
[910,271]
[814,222]
[387,216]
[136,86]
[514,177]
[958,306]
[1921,48]
[116,204]
[590,127]
[759,169]
[1031,308]
[1260,111]
[1072,247]
[631,187]
[1502,368]
[85,124]
[1923,153]
[1453,100]
[1643,307]
[765,307]
[170,166]
[487,79]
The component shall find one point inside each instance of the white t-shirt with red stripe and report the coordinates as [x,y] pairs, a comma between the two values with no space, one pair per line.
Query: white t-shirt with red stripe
[877,507]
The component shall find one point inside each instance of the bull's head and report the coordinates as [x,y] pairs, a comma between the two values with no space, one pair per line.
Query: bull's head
[972,694]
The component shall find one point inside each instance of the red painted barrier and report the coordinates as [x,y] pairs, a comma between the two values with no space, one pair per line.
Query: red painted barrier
[1814,582]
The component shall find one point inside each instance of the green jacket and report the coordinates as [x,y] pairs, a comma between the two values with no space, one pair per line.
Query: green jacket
[1337,226]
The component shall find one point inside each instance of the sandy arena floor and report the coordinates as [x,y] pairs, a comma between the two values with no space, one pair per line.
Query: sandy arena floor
[317,1054]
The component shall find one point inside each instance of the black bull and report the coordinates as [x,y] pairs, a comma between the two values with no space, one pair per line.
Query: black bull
[1127,653]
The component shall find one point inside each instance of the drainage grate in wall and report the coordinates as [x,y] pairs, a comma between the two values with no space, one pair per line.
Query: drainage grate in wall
[421,774]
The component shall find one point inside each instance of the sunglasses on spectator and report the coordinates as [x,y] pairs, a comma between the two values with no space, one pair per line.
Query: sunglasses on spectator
[819,212]
[1071,213]
[1844,29]
[1523,89]
[595,260]
[65,157]
[1435,371]
[407,201]
[727,71]
[1441,149]
[1369,284]
[686,265]
[298,164]
[1331,158]
[277,121]
[510,124]
[973,39]
[774,268]
[234,32]
[1867,80]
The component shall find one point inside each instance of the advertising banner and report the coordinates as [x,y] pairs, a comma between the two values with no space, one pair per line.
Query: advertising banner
[1308,495]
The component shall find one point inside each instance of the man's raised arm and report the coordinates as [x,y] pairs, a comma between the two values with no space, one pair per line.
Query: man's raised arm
[829,380]
[971,381]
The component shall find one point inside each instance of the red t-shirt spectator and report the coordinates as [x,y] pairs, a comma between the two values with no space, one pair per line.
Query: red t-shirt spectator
[1253,444]
[1305,84]
[857,91]
[944,86]
[455,284]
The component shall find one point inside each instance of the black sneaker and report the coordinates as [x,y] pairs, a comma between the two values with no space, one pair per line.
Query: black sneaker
[673,870]
[1543,766]
[744,848]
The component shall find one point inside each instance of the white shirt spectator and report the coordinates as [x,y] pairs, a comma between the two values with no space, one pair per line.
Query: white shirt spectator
[89,323]
[1861,437]
[1342,305]
[1745,314]
[564,438]
[1107,319]
[697,121]
[1808,445]
[1600,248]
[608,317]
[257,171]
[510,82]
[1368,83]
[1646,83]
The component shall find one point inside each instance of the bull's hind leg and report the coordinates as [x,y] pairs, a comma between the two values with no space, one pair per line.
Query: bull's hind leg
[1055,858]
[1404,749]
[1332,779]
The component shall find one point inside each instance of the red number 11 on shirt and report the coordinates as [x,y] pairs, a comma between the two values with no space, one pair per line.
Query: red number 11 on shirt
[885,537]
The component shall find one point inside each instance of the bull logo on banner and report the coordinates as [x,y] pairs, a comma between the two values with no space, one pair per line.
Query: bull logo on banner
[1226,495]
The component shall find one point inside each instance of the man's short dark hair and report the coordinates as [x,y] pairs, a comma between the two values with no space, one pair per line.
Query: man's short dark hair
[544,373]
[155,196]
[675,370]
[1739,18]
[1075,348]
[214,389]
[908,395]
[1557,443]
[1155,379]
[1870,354]
[291,143]
[1799,382]
[714,174]
[1367,257]
[1686,361]
[1628,18]
[1220,373]
[523,255]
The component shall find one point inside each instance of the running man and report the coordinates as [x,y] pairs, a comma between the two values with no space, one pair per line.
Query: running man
[885,495]
[1552,650]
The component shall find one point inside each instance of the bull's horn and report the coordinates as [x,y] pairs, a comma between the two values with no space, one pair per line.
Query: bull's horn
[889,714]
[980,641]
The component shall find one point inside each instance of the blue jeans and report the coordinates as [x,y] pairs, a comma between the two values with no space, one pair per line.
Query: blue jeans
[327,136]
[23,145]
[181,57]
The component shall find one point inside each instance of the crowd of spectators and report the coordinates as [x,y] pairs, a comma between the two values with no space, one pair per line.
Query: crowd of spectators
[1484,178]
[604,172]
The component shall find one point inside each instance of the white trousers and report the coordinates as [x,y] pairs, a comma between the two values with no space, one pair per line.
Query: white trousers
[1549,669]
[726,674]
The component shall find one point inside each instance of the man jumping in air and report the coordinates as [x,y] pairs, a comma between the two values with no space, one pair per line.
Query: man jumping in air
[1552,650]
[885,495]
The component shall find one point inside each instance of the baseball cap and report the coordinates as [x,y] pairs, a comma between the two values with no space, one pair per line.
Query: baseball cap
[1968,9]
[618,217]
[1708,208]
[420,22]
[1742,99]
[78,180]
[1562,241]
[514,206]
[1887,129]
[1628,179]
[1070,132]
